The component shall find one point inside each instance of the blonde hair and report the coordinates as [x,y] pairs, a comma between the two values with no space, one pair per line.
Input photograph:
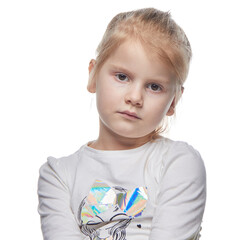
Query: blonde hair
[158,34]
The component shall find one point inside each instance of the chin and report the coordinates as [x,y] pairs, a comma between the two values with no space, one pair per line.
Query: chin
[127,131]
[130,133]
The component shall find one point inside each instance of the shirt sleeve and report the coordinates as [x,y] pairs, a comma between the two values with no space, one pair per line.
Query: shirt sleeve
[57,219]
[182,195]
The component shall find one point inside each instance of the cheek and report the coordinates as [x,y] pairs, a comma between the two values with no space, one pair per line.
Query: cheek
[107,98]
[159,108]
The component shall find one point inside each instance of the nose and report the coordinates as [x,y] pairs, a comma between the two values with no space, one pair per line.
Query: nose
[134,96]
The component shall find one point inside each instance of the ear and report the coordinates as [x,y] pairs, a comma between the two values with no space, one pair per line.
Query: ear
[182,89]
[172,106]
[91,83]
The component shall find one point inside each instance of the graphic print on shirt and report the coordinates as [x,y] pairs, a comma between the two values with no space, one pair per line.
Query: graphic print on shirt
[107,211]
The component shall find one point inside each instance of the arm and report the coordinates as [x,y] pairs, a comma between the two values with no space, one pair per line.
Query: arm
[57,219]
[182,196]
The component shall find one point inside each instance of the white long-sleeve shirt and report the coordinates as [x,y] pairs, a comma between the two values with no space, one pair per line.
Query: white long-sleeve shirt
[156,191]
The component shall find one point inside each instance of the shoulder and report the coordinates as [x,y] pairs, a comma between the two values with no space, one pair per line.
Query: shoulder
[181,159]
[63,161]
[60,167]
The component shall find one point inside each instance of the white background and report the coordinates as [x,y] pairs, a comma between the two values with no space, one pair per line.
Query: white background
[45,48]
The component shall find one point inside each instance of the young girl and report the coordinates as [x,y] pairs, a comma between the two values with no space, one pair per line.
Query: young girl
[131,182]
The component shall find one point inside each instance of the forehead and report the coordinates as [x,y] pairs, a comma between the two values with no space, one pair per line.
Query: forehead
[139,59]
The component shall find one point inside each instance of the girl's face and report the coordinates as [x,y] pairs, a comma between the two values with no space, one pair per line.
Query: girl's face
[133,91]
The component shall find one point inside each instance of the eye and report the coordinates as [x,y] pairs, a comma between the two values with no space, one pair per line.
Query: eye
[121,77]
[155,87]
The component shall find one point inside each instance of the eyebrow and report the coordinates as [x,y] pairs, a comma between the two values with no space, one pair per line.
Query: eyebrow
[119,68]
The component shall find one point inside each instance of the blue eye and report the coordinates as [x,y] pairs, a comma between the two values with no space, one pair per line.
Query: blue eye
[155,87]
[121,77]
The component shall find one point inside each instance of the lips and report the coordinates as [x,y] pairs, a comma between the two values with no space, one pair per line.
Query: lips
[131,114]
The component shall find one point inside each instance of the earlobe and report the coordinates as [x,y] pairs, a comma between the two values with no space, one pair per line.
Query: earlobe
[91,83]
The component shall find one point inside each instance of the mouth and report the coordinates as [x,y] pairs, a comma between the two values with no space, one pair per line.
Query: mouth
[128,114]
